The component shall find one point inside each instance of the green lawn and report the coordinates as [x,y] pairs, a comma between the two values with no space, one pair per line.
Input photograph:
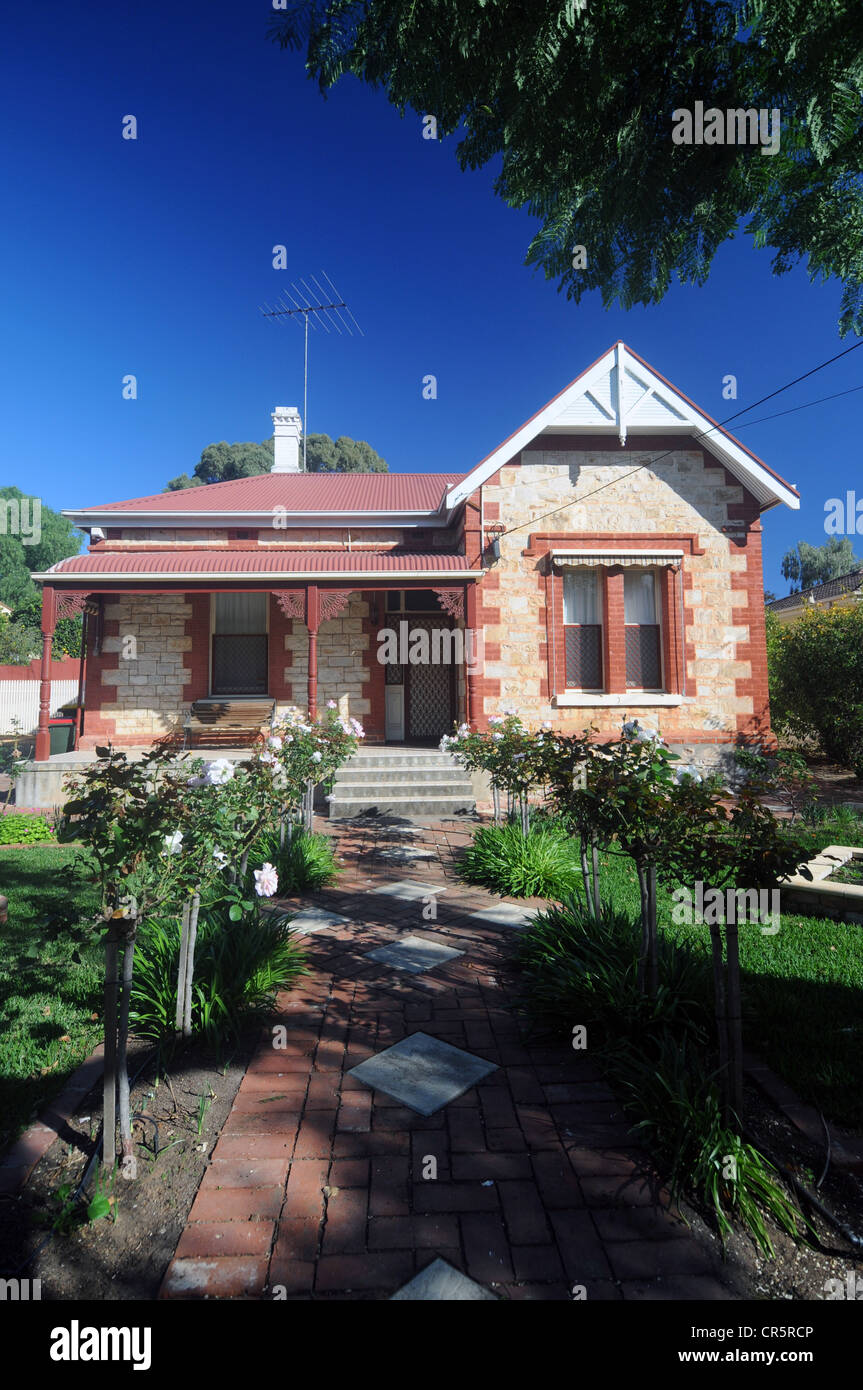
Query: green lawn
[51,972]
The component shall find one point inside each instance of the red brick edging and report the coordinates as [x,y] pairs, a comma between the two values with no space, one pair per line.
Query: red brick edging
[846,1153]
[17,1165]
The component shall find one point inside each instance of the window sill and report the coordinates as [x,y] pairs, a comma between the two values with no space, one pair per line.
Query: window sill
[637,699]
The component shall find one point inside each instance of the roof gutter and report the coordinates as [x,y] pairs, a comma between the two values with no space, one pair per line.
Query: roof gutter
[306,576]
[85,519]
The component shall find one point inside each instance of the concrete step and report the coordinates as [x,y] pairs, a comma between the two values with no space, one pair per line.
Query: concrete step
[407,777]
[408,806]
[402,782]
[416,757]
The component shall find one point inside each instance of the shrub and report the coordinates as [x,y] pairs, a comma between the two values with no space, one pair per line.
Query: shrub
[239,967]
[304,863]
[24,830]
[541,864]
[816,681]
[578,969]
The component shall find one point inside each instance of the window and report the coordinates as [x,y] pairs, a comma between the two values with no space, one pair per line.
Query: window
[582,619]
[239,644]
[642,630]
[412,601]
[241,613]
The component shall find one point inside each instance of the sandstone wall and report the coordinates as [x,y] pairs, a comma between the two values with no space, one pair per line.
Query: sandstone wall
[683,493]
[344,659]
[143,694]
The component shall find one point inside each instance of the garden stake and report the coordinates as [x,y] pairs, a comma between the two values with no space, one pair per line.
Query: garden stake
[181,967]
[719,1006]
[129,1166]
[597,897]
[652,937]
[109,1084]
[733,1021]
[190,963]
[644,952]
[585,874]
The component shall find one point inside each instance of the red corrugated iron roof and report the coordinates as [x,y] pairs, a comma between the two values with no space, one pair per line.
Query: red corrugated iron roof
[251,562]
[300,492]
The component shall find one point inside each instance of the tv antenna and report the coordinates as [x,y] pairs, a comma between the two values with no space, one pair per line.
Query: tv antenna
[323,309]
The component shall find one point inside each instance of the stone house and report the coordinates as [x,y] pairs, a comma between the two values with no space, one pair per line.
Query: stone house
[603,560]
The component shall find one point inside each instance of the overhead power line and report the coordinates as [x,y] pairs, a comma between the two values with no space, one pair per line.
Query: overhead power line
[703,435]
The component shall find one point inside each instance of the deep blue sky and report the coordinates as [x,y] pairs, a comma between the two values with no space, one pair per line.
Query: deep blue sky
[152,257]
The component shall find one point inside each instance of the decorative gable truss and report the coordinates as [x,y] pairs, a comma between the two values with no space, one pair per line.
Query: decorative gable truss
[622,396]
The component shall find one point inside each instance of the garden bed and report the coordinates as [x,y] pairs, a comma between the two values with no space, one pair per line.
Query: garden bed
[125,1255]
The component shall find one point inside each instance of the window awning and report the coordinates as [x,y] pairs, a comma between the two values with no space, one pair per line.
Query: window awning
[646,559]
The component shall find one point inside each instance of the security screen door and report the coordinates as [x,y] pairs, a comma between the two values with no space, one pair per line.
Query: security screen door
[429,691]
[240,644]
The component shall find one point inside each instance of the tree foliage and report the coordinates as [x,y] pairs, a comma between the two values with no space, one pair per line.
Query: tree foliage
[67,631]
[815,564]
[18,642]
[575,100]
[57,540]
[223,462]
[342,455]
[806,565]
[50,537]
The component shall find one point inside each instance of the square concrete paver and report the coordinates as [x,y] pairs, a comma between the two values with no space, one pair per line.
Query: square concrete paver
[313,919]
[413,953]
[504,915]
[440,1283]
[422,1072]
[405,854]
[409,890]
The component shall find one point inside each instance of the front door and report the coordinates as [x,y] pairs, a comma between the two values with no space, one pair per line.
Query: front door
[239,644]
[430,691]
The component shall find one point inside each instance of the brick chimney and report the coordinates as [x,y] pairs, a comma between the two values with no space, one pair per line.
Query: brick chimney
[287,432]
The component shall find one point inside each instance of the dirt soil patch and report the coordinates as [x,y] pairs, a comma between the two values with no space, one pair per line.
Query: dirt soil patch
[833,784]
[801,1270]
[125,1256]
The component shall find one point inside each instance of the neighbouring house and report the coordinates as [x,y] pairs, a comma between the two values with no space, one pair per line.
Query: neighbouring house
[604,559]
[843,592]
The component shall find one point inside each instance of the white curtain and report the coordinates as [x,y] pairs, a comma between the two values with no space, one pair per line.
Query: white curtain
[241,613]
[639,596]
[581,600]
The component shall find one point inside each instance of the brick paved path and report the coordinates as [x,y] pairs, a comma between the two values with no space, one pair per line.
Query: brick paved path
[316,1187]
